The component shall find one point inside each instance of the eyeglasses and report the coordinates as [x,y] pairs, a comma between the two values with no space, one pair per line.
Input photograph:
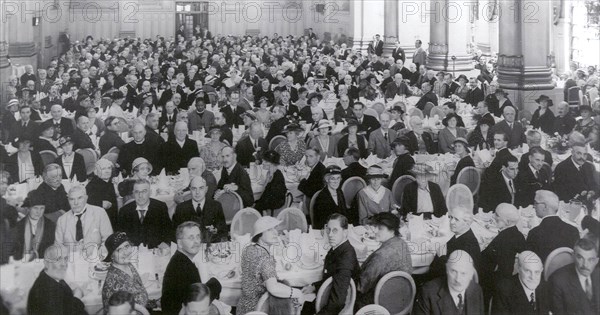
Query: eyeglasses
[138,192]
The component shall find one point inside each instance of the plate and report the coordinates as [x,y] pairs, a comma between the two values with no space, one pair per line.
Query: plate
[314,266]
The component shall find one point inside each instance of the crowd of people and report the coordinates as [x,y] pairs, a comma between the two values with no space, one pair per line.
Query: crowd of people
[161,90]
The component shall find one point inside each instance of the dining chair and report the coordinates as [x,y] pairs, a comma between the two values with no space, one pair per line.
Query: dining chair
[371,112]
[398,187]
[396,292]
[231,203]
[48,156]
[427,109]
[557,259]
[325,290]
[288,203]
[373,309]
[459,195]
[436,110]
[470,177]
[416,112]
[291,219]
[351,187]
[276,141]
[243,221]
[311,205]
[89,157]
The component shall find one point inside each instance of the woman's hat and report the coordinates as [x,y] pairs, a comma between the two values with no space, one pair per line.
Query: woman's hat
[333,170]
[402,140]
[487,119]
[34,198]
[545,98]
[386,219]
[250,114]
[213,128]
[422,169]
[139,161]
[313,95]
[264,224]
[463,141]
[462,76]
[271,156]
[12,102]
[64,140]
[584,108]
[113,242]
[324,123]
[263,99]
[448,117]
[117,95]
[292,127]
[375,171]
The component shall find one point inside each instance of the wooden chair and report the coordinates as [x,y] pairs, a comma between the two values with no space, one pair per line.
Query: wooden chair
[311,203]
[288,203]
[90,158]
[470,177]
[48,156]
[371,112]
[398,187]
[557,259]
[373,309]
[351,187]
[396,292]
[276,141]
[573,98]
[291,219]
[232,203]
[427,109]
[416,112]
[325,290]
[459,195]
[243,221]
[437,111]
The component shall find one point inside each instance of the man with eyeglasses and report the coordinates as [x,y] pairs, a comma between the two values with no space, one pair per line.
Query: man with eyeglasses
[341,265]
[145,220]
[111,138]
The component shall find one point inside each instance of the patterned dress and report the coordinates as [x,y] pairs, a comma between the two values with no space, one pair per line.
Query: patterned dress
[289,156]
[210,154]
[258,266]
[117,280]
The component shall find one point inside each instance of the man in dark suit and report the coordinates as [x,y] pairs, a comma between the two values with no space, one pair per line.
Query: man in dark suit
[152,132]
[404,162]
[250,148]
[139,147]
[428,96]
[232,111]
[534,139]
[145,220]
[353,167]
[398,53]
[513,129]
[499,187]
[523,293]
[168,117]
[422,189]
[181,271]
[552,232]
[366,123]
[205,211]
[302,76]
[280,120]
[457,293]
[377,46]
[234,178]
[451,86]
[421,141]
[398,87]
[25,128]
[564,122]
[53,192]
[314,182]
[502,153]
[475,94]
[179,150]
[33,234]
[110,138]
[575,288]
[80,137]
[576,175]
[380,139]
[534,177]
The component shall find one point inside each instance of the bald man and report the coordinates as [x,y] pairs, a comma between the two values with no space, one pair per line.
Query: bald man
[179,149]
[234,178]
[140,147]
[524,293]
[512,128]
[564,122]
[197,167]
[456,293]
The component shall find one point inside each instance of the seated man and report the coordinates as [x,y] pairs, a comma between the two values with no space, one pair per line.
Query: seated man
[145,220]
[423,195]
[197,167]
[314,182]
[523,293]
[139,147]
[121,303]
[50,294]
[421,141]
[178,150]
[552,232]
[536,176]
[512,128]
[576,176]
[428,96]
[33,234]
[353,167]
[456,293]
[53,192]
[380,139]
[564,122]
[534,139]
[81,138]
[500,187]
[234,178]
[251,148]
[204,211]
[574,289]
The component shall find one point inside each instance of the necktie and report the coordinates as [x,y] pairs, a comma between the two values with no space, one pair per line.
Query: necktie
[588,289]
[24,124]
[532,300]
[385,135]
[512,191]
[461,304]
[537,174]
[79,228]
[199,210]
[255,144]
[142,215]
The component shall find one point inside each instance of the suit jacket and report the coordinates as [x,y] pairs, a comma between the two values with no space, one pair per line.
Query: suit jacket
[109,140]
[524,161]
[64,128]
[54,199]
[326,206]
[398,53]
[81,140]
[369,123]
[343,144]
[428,97]
[414,143]
[43,145]
[164,122]
[551,234]
[181,272]
[77,169]
[31,132]
[544,122]
[11,165]
[176,157]
[510,298]
[498,259]
[564,125]
[495,191]
[211,215]
[98,190]
[379,146]
[353,169]
[496,164]
[49,297]
[435,299]
[155,229]
[342,266]
[241,179]
[402,166]
[474,96]
[246,152]
[419,57]
[195,122]
[392,89]
[527,184]
[233,118]
[462,163]
[516,135]
[467,242]
[147,149]
[568,181]
[567,295]
[451,89]
[18,237]
[273,197]
[309,186]
[410,197]
[277,128]
[378,47]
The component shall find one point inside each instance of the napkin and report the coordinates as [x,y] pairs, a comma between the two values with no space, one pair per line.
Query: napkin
[485,155]
[10,149]
[145,260]
[7,274]
[417,227]
[163,181]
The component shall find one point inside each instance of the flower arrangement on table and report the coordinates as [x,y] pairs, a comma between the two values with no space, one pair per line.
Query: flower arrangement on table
[558,143]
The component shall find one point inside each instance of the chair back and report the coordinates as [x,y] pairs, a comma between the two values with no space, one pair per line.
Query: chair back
[437,111]
[371,112]
[48,156]
[232,203]
[243,221]
[427,108]
[311,204]
[573,95]
[396,292]
[289,198]
[256,313]
[373,309]
[557,259]
[351,187]
[291,219]
[325,290]
[276,141]
[114,150]
[525,114]
[416,112]
[398,187]
[470,177]
[90,158]
[113,157]
[263,303]
[459,195]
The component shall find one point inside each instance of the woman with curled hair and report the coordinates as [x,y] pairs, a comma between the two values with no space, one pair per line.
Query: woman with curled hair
[101,190]
[330,199]
[374,198]
[292,150]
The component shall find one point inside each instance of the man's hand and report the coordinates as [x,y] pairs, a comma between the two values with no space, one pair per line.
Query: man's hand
[78,292]
[308,289]
[218,193]
[106,204]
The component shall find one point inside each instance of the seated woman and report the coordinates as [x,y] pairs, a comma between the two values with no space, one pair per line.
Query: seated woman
[589,128]
[323,140]
[71,163]
[330,199]
[23,164]
[447,135]
[262,113]
[210,152]
[101,190]
[422,195]
[374,198]
[393,255]
[481,137]
[140,169]
[543,118]
[461,147]
[352,139]
[259,273]
[122,275]
[292,150]
[273,196]
[307,111]
[96,124]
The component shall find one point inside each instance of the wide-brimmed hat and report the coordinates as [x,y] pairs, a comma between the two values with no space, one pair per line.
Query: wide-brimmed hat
[448,117]
[250,114]
[545,98]
[351,122]
[34,199]
[422,169]
[64,140]
[113,242]
[271,156]
[313,95]
[264,224]
[12,102]
[487,119]
[402,140]
[397,109]
[324,123]
[462,76]
[375,171]
[463,141]
[584,108]
[213,128]
[292,127]
[139,161]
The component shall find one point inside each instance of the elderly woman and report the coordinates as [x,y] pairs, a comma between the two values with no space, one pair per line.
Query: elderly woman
[273,196]
[461,148]
[374,198]
[393,255]
[292,150]
[210,152]
[23,164]
[71,163]
[447,135]
[481,137]
[101,190]
[543,118]
[259,273]
[423,195]
[140,169]
[322,140]
[352,139]
[330,199]
[306,113]
[586,125]
[122,275]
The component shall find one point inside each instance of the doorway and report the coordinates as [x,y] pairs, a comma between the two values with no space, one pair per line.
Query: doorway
[189,14]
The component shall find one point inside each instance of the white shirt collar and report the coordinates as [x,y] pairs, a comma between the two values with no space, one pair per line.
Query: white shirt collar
[533,170]
[229,170]
[528,291]
[455,294]
[577,166]
[582,279]
[181,143]
[195,204]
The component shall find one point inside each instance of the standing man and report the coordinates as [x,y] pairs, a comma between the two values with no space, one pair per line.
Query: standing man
[398,53]
[420,56]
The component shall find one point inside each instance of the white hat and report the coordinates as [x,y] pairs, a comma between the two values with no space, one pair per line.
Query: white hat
[264,224]
[12,102]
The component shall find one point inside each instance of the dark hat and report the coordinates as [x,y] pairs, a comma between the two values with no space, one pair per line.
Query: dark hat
[333,170]
[34,199]
[113,242]
[462,76]
[386,219]
[375,171]
[463,141]
[213,128]
[402,140]
[545,98]
[487,119]
[397,108]
[271,156]
[147,94]
[250,114]
[96,109]
[584,108]
[153,80]
[117,95]
[82,97]
[292,127]
[64,140]
[448,117]
[313,95]
[21,139]
[351,122]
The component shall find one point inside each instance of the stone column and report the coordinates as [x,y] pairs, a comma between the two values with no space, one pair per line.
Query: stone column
[356,12]
[561,31]
[390,26]
[448,40]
